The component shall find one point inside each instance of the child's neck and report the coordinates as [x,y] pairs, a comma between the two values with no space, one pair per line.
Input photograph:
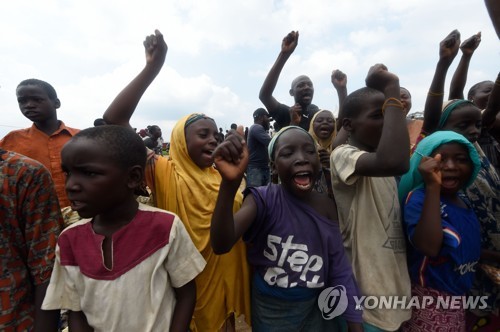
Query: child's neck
[49,126]
[108,223]
[314,200]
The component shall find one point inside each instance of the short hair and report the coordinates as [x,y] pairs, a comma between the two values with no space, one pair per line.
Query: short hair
[234,126]
[297,79]
[354,103]
[473,89]
[49,89]
[125,147]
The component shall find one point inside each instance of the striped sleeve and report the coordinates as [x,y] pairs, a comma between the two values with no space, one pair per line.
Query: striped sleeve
[343,163]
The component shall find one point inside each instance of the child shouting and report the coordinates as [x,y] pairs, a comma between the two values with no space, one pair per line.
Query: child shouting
[187,184]
[441,226]
[294,241]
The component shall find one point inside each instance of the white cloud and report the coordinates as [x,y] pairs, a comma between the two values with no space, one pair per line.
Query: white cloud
[220,51]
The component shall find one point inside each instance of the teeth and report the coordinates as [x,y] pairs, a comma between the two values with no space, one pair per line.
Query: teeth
[302,173]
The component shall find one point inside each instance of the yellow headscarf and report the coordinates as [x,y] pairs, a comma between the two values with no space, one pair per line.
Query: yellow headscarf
[183,188]
[327,142]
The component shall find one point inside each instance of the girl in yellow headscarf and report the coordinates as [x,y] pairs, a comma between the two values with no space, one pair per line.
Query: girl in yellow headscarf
[322,129]
[187,184]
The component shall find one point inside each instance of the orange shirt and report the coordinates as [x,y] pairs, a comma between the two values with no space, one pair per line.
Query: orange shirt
[37,145]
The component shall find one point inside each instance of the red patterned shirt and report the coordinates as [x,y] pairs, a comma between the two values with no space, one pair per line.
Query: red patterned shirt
[30,221]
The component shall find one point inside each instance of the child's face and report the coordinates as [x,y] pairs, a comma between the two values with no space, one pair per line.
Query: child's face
[456,167]
[465,120]
[201,141]
[296,161]
[366,128]
[35,104]
[323,125]
[405,99]
[94,183]
[482,94]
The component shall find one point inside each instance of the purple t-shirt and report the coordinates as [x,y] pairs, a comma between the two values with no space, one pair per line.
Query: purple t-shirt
[291,245]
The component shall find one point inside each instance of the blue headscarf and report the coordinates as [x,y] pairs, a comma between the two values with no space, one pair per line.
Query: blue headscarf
[413,179]
[270,147]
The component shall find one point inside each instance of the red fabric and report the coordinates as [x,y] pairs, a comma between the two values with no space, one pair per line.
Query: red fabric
[81,246]
[30,223]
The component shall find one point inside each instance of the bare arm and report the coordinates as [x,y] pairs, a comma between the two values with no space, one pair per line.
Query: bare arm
[491,116]
[493,7]
[123,106]
[459,79]
[288,45]
[45,320]
[448,49]
[184,307]
[231,160]
[428,236]
[393,152]
[77,322]
[339,81]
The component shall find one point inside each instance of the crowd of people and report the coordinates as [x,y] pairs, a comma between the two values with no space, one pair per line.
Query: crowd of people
[257,225]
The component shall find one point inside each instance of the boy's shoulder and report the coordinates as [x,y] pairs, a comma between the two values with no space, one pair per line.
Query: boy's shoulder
[13,135]
[13,163]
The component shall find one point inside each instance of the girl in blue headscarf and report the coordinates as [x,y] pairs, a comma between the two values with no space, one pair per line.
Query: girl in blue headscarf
[442,228]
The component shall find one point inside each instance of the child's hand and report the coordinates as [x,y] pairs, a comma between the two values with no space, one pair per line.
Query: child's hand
[380,78]
[469,45]
[231,157]
[295,114]
[324,158]
[290,42]
[448,48]
[430,168]
[339,79]
[156,49]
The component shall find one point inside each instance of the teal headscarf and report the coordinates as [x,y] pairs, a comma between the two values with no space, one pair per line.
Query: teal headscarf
[413,179]
[449,107]
[270,147]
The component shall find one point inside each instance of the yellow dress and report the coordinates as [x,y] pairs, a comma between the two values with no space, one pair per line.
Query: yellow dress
[181,187]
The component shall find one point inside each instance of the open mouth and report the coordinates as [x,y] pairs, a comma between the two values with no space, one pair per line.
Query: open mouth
[325,130]
[207,154]
[450,182]
[77,205]
[303,180]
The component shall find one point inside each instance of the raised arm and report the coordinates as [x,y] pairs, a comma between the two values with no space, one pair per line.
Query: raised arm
[491,115]
[428,236]
[392,154]
[493,7]
[288,45]
[231,160]
[339,82]
[123,106]
[459,79]
[448,49]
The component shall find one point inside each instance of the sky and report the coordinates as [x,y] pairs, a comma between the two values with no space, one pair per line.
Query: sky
[219,52]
